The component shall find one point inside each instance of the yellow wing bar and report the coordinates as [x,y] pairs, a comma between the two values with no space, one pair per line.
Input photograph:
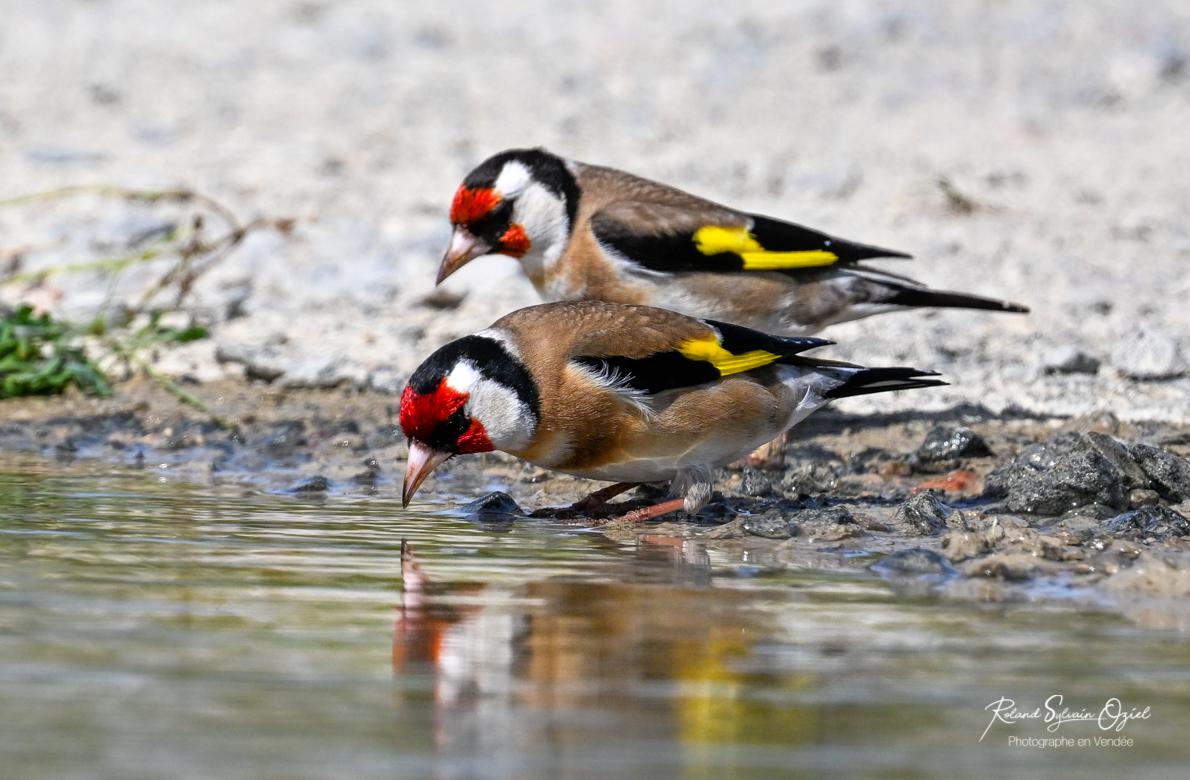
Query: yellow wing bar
[715,240]
[708,349]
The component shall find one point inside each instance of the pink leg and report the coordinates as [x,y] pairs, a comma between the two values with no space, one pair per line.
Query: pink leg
[652,512]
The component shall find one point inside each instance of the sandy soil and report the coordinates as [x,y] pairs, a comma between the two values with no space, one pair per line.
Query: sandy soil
[1060,125]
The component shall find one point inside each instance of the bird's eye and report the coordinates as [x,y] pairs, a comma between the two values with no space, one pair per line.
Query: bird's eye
[494,222]
[457,422]
[446,433]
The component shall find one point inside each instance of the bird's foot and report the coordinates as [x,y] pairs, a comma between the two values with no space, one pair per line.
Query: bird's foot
[596,503]
[768,457]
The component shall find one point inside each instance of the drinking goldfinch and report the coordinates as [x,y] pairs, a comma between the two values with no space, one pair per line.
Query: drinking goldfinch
[622,393]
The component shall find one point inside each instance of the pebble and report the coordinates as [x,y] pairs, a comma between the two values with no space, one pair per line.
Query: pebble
[944,446]
[1068,359]
[770,525]
[828,524]
[315,484]
[923,513]
[1169,473]
[497,505]
[961,545]
[1157,522]
[1149,354]
[810,478]
[1065,472]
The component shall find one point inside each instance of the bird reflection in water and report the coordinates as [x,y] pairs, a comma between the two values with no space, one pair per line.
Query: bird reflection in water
[655,654]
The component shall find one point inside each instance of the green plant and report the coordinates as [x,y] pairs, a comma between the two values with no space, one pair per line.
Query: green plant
[42,356]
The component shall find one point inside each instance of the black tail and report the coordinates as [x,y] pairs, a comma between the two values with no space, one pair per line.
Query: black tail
[942,299]
[878,380]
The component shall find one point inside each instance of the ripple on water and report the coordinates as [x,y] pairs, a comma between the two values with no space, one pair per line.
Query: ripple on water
[164,628]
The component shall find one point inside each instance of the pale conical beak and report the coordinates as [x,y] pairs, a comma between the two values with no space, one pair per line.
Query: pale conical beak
[422,461]
[463,248]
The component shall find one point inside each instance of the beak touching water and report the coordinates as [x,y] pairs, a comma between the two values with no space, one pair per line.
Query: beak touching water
[463,248]
[422,461]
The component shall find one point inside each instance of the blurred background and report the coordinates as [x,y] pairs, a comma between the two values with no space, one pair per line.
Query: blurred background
[1034,151]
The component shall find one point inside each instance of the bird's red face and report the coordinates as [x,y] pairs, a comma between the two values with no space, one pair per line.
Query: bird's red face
[439,419]
[483,224]
[471,395]
[438,427]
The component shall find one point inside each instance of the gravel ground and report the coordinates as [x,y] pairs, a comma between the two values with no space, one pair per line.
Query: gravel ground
[1060,128]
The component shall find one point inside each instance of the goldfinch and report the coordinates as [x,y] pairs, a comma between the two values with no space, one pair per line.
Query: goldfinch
[626,394]
[584,232]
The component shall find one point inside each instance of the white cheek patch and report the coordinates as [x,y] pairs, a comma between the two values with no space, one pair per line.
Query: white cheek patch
[543,215]
[508,422]
[513,178]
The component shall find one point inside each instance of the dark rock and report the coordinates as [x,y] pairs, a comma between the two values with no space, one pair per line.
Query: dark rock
[829,524]
[441,299]
[1149,522]
[263,373]
[1170,474]
[917,562]
[755,483]
[1068,359]
[284,437]
[315,484]
[370,474]
[494,506]
[770,525]
[943,447]
[810,478]
[924,513]
[1066,472]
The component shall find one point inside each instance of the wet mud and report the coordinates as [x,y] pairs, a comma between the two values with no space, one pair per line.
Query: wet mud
[964,504]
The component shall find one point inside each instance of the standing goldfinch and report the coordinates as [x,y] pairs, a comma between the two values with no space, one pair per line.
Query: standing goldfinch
[584,232]
[626,394]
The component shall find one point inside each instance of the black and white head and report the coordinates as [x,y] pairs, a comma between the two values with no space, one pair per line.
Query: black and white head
[519,203]
[472,395]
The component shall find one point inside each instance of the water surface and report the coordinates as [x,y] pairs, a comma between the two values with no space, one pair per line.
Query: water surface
[152,628]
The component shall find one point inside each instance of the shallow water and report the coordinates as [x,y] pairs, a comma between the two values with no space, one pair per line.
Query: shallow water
[152,628]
